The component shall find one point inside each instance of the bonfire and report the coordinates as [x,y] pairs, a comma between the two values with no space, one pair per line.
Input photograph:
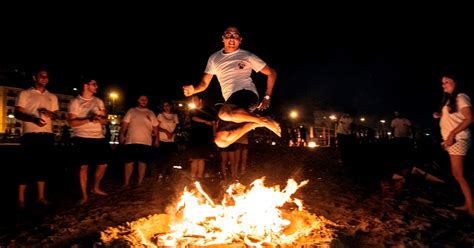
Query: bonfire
[256,216]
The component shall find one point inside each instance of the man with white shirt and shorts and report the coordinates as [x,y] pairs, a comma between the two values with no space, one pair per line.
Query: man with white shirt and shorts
[233,67]
[87,116]
[136,131]
[36,107]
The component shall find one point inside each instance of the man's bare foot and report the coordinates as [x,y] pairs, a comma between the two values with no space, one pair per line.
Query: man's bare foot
[43,201]
[461,208]
[272,125]
[83,201]
[98,192]
[471,214]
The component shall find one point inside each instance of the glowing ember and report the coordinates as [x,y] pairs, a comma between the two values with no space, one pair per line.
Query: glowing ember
[258,216]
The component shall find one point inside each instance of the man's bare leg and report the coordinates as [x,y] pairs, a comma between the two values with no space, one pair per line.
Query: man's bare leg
[225,138]
[233,165]
[128,170]
[21,196]
[231,113]
[243,163]
[224,160]
[99,174]
[200,168]
[194,168]
[141,172]
[83,183]
[40,189]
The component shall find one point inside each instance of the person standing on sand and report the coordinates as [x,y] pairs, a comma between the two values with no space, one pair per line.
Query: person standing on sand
[87,116]
[455,117]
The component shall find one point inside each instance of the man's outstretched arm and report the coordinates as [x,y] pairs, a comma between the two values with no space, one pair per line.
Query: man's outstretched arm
[190,90]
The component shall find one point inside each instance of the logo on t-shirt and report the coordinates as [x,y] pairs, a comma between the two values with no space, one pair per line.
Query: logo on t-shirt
[241,65]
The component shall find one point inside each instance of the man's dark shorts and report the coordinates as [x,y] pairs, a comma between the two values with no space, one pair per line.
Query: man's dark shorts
[138,152]
[244,99]
[91,151]
[38,153]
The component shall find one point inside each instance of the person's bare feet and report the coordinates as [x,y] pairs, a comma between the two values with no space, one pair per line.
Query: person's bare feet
[471,213]
[272,125]
[461,208]
[43,201]
[98,192]
[84,200]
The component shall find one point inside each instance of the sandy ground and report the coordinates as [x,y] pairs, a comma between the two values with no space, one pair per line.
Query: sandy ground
[419,215]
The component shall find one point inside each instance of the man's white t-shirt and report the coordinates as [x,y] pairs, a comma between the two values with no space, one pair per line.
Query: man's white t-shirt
[449,121]
[168,122]
[141,122]
[87,108]
[32,101]
[233,70]
[401,127]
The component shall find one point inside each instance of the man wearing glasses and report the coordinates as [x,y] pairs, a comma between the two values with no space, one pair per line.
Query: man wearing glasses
[233,67]
[87,116]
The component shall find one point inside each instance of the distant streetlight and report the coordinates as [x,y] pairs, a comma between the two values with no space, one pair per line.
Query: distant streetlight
[382,129]
[113,96]
[334,119]
[11,120]
[294,114]
[362,119]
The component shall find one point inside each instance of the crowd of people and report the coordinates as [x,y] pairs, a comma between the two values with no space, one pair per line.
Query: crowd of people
[142,131]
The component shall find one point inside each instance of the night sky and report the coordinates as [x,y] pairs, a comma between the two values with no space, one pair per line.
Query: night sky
[376,61]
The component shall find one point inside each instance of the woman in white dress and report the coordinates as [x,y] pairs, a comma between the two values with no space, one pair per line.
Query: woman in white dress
[456,116]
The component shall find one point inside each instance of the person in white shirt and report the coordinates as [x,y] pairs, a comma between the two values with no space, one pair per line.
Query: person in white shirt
[36,108]
[87,118]
[401,126]
[233,67]
[168,120]
[456,116]
[402,141]
[136,131]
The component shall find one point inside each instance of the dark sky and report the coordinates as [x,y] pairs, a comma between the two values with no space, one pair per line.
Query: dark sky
[375,60]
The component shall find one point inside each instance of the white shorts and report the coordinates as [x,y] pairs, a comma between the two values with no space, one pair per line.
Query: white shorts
[460,147]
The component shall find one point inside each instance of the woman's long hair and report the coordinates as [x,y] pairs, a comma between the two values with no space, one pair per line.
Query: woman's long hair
[449,99]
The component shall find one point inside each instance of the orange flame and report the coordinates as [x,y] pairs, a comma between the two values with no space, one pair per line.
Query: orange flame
[256,216]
